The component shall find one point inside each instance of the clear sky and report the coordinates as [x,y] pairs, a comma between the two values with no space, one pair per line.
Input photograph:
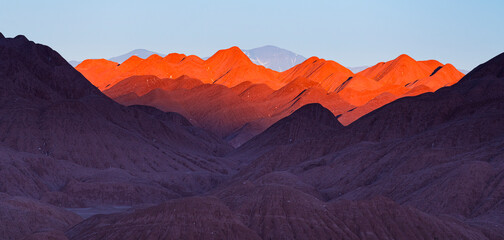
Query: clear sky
[353,33]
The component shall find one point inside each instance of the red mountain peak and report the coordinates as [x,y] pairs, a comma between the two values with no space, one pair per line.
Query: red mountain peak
[132,61]
[231,55]
[432,64]
[312,59]
[399,71]
[96,62]
[404,57]
[174,57]
[329,74]
[154,57]
[193,58]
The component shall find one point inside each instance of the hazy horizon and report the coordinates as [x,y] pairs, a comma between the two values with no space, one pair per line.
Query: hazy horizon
[463,33]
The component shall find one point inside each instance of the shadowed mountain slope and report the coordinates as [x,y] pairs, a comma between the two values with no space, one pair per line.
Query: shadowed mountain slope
[441,153]
[65,143]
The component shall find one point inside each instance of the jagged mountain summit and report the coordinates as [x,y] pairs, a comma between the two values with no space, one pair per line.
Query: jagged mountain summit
[272,57]
[238,99]
[141,53]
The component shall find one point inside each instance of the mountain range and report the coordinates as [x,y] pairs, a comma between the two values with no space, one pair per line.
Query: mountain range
[272,57]
[428,166]
[246,98]
[141,53]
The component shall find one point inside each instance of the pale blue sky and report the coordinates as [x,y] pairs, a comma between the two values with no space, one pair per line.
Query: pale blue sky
[353,33]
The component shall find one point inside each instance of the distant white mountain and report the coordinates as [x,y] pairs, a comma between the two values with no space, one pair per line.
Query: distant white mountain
[274,58]
[357,69]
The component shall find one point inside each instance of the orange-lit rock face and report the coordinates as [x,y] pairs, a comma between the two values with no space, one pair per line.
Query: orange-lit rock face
[227,67]
[231,67]
[236,99]
[445,76]
[399,71]
[402,76]
[328,74]
[99,71]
